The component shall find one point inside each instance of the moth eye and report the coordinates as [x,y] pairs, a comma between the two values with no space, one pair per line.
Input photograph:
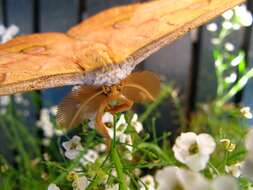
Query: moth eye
[35,50]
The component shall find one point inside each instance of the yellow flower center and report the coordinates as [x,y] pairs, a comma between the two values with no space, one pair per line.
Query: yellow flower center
[194,149]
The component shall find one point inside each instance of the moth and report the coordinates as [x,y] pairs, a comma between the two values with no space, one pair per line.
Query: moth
[99,54]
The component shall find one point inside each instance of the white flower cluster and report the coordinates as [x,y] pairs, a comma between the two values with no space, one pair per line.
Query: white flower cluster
[73,147]
[246,112]
[173,178]
[47,125]
[7,33]
[234,19]
[193,150]
[120,128]
[4,101]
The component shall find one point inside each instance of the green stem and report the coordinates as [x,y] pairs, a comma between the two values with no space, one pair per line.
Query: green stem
[236,88]
[152,107]
[214,168]
[94,183]
[119,169]
[96,179]
[157,150]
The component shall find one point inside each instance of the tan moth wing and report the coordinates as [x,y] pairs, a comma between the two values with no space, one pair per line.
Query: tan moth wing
[141,86]
[81,104]
[119,35]
[134,32]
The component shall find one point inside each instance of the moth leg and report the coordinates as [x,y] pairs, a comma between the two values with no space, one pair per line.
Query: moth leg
[100,126]
[126,105]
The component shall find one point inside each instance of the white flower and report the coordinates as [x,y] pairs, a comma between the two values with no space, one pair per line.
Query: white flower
[247,167]
[227,25]
[4,101]
[72,147]
[101,148]
[173,178]
[136,124]
[149,182]
[9,33]
[236,26]
[243,15]
[228,15]
[2,30]
[234,170]
[90,156]
[213,27]
[229,46]
[92,121]
[52,186]
[128,156]
[246,112]
[231,78]
[80,183]
[120,127]
[225,183]
[127,140]
[53,110]
[194,150]
[237,60]
[215,41]
[45,123]
[108,118]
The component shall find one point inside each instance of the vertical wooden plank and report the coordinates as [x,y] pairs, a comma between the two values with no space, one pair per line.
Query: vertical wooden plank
[94,6]
[206,80]
[57,16]
[194,70]
[172,63]
[20,13]
[1,13]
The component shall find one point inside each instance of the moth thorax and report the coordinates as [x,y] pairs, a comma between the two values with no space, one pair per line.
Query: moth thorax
[112,90]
